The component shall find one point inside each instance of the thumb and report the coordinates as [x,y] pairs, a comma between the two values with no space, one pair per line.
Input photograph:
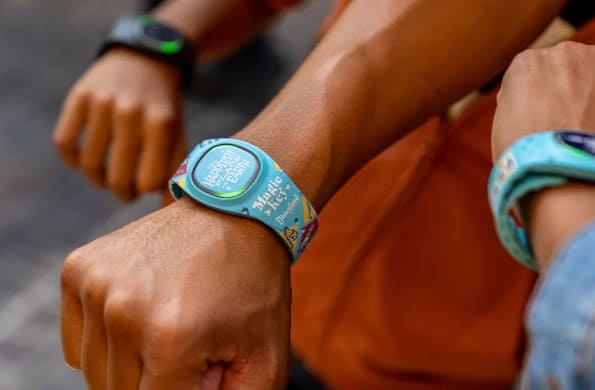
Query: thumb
[213,378]
[271,373]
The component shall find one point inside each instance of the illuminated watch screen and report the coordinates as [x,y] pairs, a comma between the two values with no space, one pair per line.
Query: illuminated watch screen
[161,37]
[578,143]
[226,171]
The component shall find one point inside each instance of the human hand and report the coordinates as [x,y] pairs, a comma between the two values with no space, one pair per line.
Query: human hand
[553,89]
[130,109]
[546,89]
[185,298]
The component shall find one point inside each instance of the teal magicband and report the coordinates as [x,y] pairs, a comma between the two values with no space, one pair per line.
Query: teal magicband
[535,162]
[238,178]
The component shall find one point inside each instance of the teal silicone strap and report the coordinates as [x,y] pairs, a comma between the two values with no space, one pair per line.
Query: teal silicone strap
[238,178]
[535,162]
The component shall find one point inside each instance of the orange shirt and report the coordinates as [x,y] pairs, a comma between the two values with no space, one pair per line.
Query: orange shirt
[406,286]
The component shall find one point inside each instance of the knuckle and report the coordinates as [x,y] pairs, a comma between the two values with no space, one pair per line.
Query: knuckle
[525,57]
[167,331]
[161,116]
[522,63]
[127,107]
[96,286]
[101,100]
[566,46]
[78,92]
[118,314]
[71,268]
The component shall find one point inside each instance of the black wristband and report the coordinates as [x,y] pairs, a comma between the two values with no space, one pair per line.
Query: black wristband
[149,37]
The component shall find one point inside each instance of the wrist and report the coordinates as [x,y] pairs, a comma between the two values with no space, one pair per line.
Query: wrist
[554,215]
[134,57]
[229,227]
[302,156]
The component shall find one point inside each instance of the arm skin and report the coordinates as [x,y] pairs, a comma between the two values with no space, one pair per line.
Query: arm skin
[384,68]
[424,53]
[553,216]
[217,28]
[404,46]
[143,306]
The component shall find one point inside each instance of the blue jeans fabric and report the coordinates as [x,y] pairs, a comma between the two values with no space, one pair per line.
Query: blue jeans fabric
[561,321]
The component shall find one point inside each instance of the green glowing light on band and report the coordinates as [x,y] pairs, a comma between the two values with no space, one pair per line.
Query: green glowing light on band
[230,194]
[576,151]
[171,47]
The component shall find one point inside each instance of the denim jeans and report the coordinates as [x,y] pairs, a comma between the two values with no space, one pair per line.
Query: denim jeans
[561,321]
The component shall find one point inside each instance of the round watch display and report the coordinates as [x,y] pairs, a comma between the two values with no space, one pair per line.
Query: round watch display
[238,178]
[160,36]
[226,171]
[578,143]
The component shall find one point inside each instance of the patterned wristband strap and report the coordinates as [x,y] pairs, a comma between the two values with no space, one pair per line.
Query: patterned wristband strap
[238,178]
[535,162]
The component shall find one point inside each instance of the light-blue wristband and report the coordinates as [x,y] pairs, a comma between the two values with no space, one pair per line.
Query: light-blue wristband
[535,162]
[238,178]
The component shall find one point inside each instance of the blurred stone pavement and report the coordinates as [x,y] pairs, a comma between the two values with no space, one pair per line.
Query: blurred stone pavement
[46,210]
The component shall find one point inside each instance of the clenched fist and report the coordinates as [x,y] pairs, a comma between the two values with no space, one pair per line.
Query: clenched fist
[185,298]
[121,123]
[546,89]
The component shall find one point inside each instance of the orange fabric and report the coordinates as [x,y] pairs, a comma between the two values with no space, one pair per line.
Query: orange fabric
[407,286]
[407,282]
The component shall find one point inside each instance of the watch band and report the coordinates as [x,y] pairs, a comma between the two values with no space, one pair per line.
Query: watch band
[239,178]
[535,162]
[154,39]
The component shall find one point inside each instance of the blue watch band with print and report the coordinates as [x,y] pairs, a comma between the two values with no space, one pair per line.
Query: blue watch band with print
[537,161]
[238,178]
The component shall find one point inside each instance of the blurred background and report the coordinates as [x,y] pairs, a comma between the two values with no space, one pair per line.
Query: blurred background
[47,210]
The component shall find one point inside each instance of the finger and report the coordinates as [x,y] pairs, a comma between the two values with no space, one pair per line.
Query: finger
[262,371]
[69,126]
[71,328]
[71,311]
[96,141]
[124,367]
[213,378]
[123,156]
[94,350]
[179,152]
[159,131]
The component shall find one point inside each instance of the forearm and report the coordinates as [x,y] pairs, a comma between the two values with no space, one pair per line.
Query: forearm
[217,27]
[383,69]
[553,216]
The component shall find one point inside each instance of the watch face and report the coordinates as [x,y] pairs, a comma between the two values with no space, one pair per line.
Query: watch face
[226,171]
[578,143]
[161,37]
